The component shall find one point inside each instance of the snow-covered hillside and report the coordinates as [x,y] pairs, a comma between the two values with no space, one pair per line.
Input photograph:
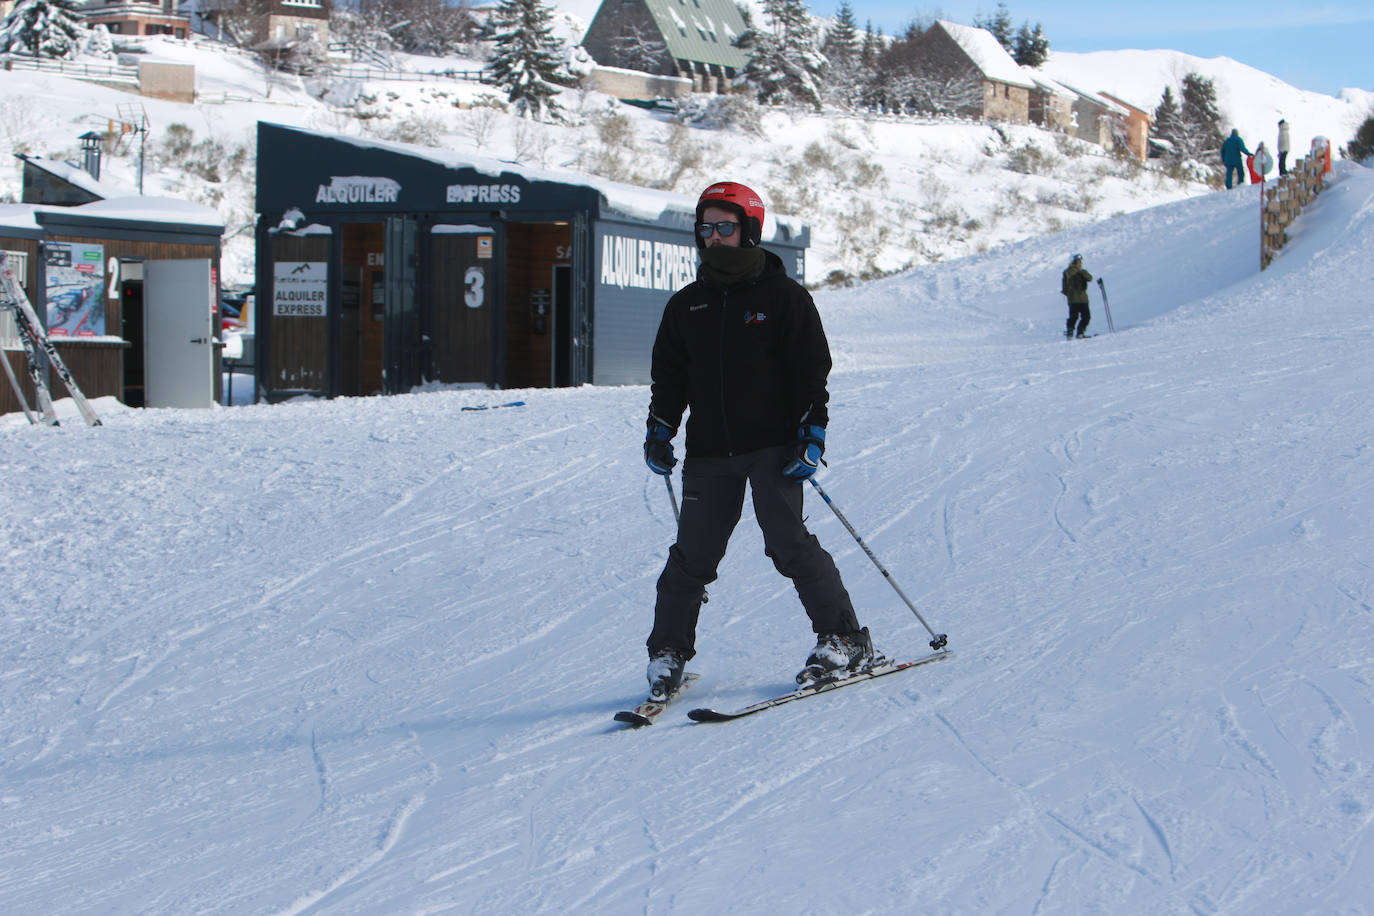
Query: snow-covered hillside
[1249,100]
[879,193]
[361,656]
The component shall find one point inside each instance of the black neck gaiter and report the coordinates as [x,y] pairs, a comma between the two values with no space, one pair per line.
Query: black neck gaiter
[729,266]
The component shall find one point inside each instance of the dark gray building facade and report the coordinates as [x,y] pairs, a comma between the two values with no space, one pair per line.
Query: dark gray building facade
[382,266]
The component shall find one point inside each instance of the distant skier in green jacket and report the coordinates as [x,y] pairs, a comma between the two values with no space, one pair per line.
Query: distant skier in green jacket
[1075,287]
[1232,149]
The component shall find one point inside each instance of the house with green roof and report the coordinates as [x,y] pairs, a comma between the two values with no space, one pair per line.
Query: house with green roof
[692,39]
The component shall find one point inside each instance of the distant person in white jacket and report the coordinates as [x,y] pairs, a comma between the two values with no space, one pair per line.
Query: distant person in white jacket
[1285,144]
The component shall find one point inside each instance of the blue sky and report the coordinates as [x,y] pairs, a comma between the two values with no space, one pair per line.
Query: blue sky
[1319,46]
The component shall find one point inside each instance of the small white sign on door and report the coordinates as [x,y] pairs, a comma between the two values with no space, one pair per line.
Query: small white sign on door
[300,288]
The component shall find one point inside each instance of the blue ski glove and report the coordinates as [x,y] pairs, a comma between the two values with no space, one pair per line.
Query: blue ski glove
[658,449]
[807,451]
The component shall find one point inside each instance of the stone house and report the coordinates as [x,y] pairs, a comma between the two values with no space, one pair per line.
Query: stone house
[950,48]
[1134,131]
[1097,119]
[1051,104]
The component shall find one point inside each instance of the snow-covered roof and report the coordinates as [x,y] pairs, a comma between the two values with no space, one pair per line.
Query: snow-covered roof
[1125,104]
[149,209]
[75,175]
[165,210]
[1096,98]
[987,53]
[700,30]
[19,216]
[1048,84]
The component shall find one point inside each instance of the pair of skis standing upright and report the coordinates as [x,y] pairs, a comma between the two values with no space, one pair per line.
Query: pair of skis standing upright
[35,340]
[648,711]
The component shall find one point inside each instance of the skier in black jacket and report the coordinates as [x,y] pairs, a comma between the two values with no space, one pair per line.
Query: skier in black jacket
[743,349]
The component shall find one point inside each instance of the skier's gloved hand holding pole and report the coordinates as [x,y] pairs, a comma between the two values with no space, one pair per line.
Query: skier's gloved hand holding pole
[658,449]
[807,452]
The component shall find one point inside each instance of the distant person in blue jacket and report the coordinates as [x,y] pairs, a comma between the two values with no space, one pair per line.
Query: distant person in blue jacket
[1232,151]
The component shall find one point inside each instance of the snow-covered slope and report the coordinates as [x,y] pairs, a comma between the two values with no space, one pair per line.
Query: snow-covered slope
[361,656]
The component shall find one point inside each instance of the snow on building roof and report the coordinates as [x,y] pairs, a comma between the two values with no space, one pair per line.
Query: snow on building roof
[700,30]
[164,210]
[1096,98]
[1048,84]
[986,53]
[74,174]
[19,216]
[149,209]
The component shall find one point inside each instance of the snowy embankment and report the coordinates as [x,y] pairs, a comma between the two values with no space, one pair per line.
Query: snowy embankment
[362,655]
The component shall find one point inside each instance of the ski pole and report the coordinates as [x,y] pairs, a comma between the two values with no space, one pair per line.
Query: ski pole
[1106,305]
[672,497]
[18,392]
[940,639]
[677,517]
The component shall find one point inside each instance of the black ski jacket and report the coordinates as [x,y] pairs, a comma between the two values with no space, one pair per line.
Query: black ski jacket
[750,361]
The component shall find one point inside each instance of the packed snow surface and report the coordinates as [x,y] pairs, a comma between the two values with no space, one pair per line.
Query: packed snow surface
[361,656]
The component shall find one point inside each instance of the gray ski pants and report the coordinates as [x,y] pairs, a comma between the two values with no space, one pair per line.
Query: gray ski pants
[712,499]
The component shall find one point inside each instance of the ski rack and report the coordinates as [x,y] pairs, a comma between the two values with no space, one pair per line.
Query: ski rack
[34,338]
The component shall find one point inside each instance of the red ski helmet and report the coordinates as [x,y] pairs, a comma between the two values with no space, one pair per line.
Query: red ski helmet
[734,196]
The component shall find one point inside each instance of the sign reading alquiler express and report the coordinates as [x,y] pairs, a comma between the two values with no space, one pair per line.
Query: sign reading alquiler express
[629,262]
[299,288]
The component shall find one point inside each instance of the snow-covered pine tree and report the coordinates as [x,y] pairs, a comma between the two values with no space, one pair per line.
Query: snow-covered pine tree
[43,28]
[844,78]
[1199,118]
[97,42]
[999,25]
[872,47]
[529,63]
[784,61]
[1168,127]
[1031,48]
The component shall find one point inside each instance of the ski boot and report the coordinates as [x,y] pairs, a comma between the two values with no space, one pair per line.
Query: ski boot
[838,655]
[665,673]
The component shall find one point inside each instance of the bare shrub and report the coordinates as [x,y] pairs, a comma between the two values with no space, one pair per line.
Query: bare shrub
[419,129]
[1030,159]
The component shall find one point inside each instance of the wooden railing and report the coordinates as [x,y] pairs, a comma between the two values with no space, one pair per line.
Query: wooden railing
[1285,200]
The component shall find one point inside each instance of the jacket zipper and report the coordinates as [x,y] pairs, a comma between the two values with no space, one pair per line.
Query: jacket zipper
[724,418]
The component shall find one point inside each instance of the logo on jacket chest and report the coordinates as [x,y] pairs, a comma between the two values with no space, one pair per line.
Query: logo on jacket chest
[755,317]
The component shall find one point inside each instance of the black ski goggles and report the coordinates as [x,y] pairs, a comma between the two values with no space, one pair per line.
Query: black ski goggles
[725,228]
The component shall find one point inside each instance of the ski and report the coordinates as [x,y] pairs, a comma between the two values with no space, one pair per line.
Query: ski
[493,406]
[824,686]
[645,713]
[1106,306]
[34,339]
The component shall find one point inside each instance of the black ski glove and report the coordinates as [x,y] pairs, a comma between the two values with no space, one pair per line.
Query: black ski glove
[806,453]
[658,449]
